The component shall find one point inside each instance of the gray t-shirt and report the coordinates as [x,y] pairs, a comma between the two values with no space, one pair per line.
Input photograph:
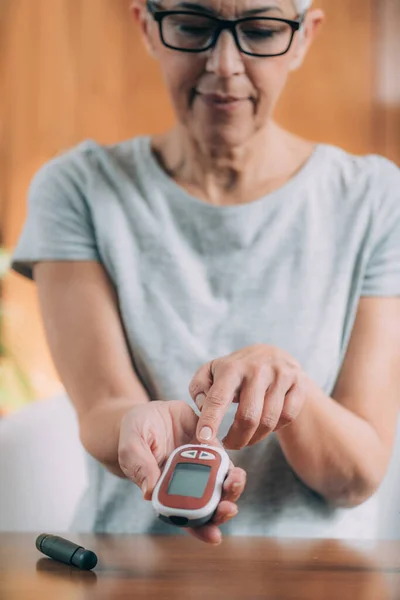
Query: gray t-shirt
[197,281]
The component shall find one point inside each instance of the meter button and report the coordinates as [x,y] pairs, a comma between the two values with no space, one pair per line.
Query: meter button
[206,456]
[189,454]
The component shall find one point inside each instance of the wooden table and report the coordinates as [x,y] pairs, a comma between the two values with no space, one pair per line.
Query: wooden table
[180,568]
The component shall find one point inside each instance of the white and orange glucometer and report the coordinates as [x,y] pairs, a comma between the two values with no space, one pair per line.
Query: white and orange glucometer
[190,487]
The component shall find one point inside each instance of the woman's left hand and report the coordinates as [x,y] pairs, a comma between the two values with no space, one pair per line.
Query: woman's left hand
[268,383]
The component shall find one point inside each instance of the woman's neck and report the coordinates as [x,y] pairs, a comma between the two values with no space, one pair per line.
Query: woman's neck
[226,176]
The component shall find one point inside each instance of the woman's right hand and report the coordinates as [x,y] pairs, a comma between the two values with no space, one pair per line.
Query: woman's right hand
[149,433]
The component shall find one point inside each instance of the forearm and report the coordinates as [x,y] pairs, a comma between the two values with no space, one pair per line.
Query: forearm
[335,452]
[100,428]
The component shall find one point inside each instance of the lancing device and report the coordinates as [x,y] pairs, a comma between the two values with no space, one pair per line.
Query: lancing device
[65,551]
[190,487]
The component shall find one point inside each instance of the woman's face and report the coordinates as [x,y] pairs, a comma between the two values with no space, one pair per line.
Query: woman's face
[222,96]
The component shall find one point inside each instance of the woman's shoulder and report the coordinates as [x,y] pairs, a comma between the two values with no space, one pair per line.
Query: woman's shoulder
[368,182]
[78,160]
[350,169]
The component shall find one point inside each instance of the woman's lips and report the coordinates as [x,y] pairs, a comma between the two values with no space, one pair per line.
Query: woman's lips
[221,102]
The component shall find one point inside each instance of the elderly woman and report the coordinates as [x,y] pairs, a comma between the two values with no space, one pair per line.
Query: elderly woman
[231,264]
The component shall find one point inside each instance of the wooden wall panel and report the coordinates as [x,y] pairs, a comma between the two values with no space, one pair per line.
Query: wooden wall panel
[387,78]
[330,98]
[77,69]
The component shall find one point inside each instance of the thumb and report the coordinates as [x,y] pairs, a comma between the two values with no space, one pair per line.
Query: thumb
[139,465]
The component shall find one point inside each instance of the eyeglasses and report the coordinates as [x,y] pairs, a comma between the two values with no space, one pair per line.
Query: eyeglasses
[189,31]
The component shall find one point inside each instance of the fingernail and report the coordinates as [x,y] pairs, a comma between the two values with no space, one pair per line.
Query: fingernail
[232,514]
[206,433]
[236,485]
[144,488]
[200,400]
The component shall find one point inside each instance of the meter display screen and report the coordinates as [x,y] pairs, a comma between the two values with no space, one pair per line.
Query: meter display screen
[189,479]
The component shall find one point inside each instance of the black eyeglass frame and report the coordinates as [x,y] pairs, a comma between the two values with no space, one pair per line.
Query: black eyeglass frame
[222,24]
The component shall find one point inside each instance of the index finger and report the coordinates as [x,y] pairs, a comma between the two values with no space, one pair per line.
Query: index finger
[218,398]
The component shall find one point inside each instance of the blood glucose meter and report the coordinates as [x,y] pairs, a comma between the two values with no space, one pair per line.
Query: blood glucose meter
[190,487]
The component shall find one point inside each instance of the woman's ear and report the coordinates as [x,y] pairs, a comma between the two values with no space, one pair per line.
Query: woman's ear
[306,36]
[140,14]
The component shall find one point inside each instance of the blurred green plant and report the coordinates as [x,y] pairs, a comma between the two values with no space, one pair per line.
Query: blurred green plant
[16,389]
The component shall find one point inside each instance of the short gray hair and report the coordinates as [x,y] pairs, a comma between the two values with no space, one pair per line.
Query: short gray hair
[302,5]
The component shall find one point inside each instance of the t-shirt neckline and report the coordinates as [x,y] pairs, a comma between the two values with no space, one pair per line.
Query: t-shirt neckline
[180,194]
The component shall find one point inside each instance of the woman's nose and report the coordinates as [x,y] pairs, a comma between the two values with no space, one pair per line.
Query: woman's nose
[225,58]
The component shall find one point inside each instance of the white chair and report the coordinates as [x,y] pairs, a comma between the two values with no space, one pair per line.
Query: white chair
[389,495]
[42,467]
[42,471]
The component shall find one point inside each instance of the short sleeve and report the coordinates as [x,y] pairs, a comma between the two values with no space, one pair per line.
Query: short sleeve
[382,275]
[58,224]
